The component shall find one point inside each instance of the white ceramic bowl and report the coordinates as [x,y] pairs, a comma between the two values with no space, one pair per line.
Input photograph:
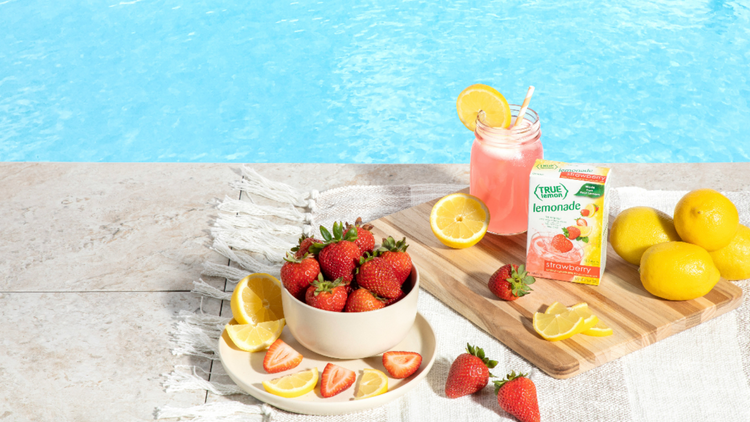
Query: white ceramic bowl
[351,335]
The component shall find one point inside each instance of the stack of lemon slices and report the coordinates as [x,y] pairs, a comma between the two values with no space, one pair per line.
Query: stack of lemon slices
[559,322]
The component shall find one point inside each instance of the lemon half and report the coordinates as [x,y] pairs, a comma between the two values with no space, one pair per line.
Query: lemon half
[459,220]
[257,298]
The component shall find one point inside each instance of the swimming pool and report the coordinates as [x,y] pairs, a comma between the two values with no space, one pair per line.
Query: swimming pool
[369,81]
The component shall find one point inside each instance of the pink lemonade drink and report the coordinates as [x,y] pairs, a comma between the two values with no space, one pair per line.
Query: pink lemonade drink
[568,213]
[501,160]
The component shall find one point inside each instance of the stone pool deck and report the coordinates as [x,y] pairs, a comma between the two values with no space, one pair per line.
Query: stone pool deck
[96,259]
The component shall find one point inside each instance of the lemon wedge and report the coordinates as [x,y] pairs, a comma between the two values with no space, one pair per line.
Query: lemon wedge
[487,99]
[255,337]
[459,220]
[293,385]
[600,329]
[373,383]
[556,327]
[257,298]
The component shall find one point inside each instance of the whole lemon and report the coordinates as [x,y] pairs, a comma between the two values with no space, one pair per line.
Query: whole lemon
[706,218]
[637,229]
[733,260]
[678,271]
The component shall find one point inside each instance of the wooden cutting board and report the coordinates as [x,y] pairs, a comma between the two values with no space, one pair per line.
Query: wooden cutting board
[458,277]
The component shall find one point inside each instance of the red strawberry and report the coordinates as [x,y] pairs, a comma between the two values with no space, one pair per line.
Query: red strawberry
[326,295]
[362,300]
[298,273]
[572,232]
[395,254]
[401,364]
[338,255]
[581,222]
[365,240]
[281,357]
[304,245]
[561,243]
[517,395]
[510,282]
[335,379]
[469,373]
[376,275]
[389,302]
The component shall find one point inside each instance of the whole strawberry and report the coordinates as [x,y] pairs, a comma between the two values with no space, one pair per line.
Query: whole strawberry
[561,243]
[304,245]
[376,275]
[389,302]
[571,232]
[469,373]
[362,300]
[326,295]
[395,254]
[338,255]
[298,273]
[510,282]
[365,240]
[516,394]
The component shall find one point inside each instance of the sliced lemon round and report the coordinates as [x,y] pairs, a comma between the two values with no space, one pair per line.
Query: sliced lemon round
[556,327]
[487,99]
[255,337]
[373,383]
[600,329]
[459,220]
[293,385]
[257,298]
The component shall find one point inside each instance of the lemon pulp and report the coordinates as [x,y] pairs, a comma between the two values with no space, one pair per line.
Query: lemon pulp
[257,298]
[459,220]
[255,337]
[373,383]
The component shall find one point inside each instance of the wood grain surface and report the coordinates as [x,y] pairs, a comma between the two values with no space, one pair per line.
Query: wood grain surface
[459,277]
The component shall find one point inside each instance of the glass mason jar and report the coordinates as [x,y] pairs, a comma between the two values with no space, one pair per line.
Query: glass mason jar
[501,161]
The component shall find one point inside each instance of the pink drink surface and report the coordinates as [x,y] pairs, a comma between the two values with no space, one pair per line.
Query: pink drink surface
[541,250]
[500,178]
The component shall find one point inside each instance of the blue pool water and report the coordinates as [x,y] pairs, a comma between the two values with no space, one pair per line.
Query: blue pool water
[369,81]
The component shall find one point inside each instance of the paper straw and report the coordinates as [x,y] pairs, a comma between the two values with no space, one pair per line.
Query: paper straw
[524,106]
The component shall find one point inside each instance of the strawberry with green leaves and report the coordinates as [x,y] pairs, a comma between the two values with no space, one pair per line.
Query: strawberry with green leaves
[365,240]
[326,295]
[516,395]
[376,275]
[338,255]
[510,282]
[297,273]
[469,373]
[304,245]
[363,300]
[395,254]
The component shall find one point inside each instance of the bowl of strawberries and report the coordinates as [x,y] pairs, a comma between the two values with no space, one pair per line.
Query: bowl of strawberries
[346,297]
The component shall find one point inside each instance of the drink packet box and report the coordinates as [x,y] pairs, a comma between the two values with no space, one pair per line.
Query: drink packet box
[568,221]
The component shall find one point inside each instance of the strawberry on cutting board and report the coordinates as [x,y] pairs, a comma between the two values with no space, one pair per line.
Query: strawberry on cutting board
[395,254]
[401,364]
[338,255]
[281,357]
[516,394]
[297,273]
[510,282]
[335,379]
[469,373]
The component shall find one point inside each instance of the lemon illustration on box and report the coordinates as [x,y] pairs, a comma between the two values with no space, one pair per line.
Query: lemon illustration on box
[568,212]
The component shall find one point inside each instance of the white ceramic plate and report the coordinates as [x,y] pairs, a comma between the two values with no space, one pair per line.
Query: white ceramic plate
[246,370]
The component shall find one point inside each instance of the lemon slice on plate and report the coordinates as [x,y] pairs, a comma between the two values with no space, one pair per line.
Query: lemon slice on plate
[486,98]
[459,220]
[600,329]
[293,385]
[556,327]
[255,337]
[373,383]
[257,298]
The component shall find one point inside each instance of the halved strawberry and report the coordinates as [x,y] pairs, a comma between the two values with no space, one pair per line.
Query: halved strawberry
[281,357]
[335,379]
[401,364]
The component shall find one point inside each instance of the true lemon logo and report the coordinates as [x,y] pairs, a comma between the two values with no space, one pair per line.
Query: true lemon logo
[551,192]
[546,166]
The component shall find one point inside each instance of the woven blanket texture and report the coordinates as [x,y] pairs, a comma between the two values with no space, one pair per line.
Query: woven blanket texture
[702,374]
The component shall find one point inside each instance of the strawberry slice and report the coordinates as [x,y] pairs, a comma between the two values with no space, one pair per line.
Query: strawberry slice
[335,379]
[281,357]
[401,364]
